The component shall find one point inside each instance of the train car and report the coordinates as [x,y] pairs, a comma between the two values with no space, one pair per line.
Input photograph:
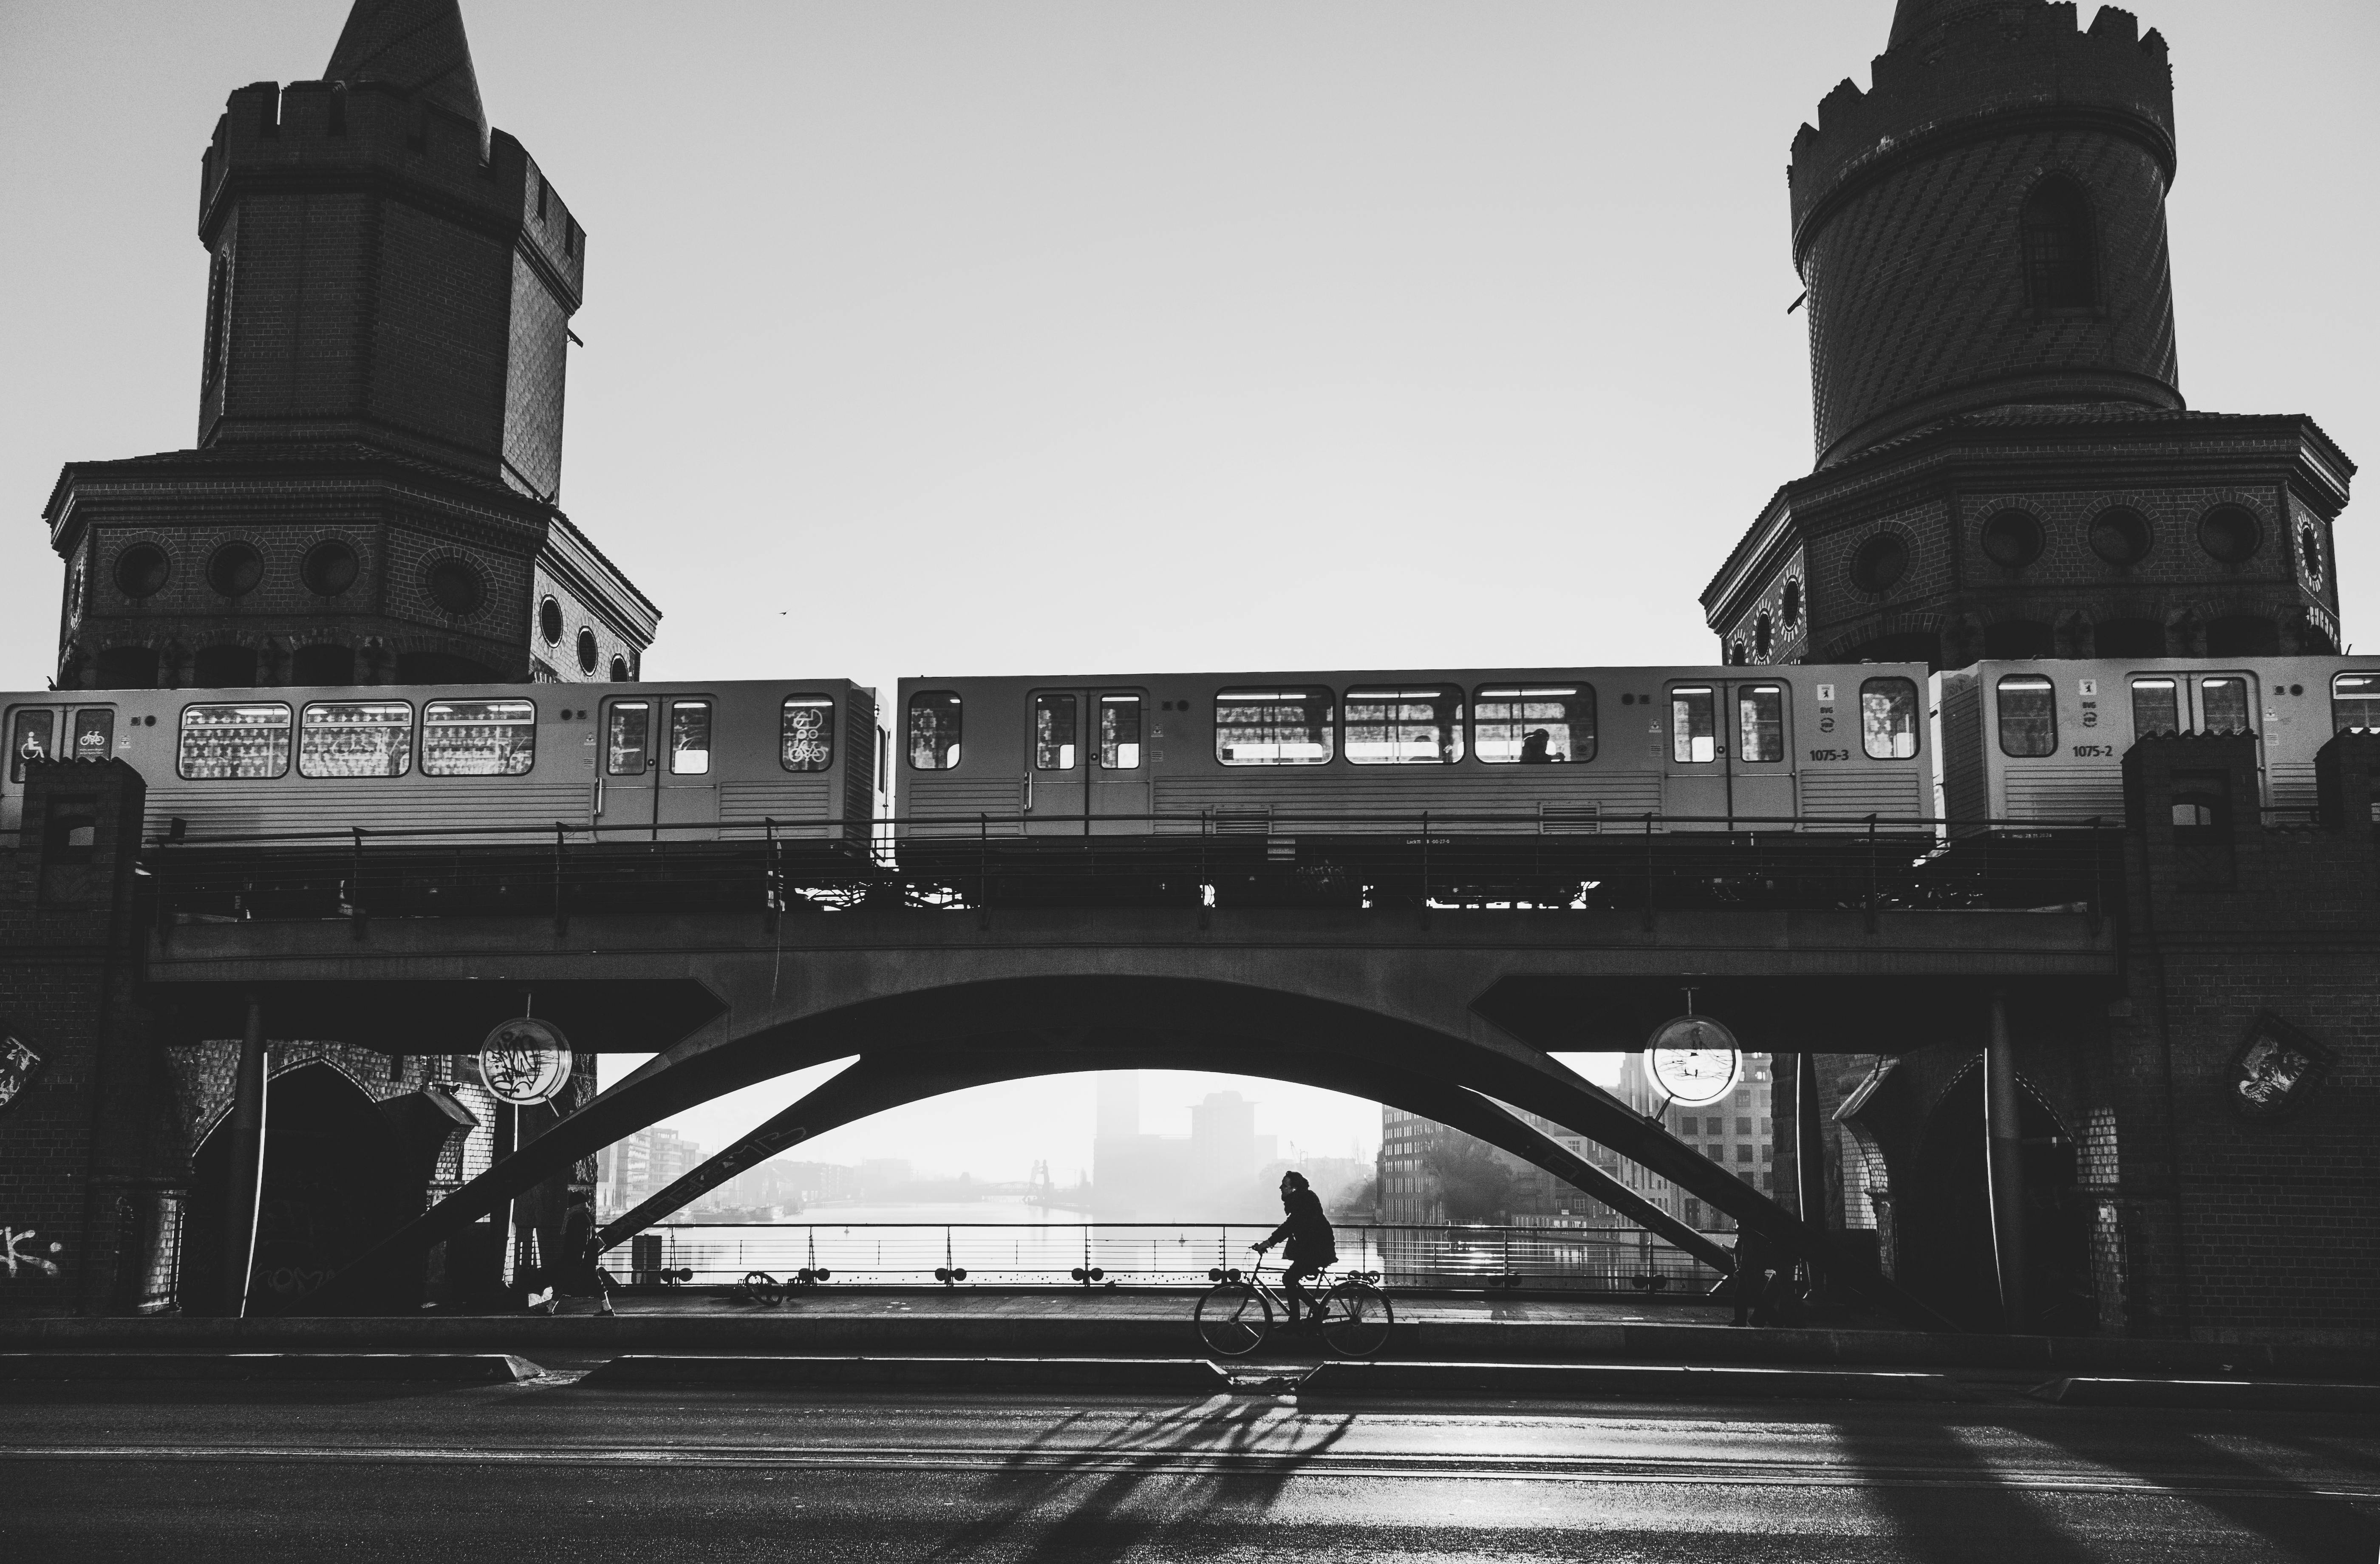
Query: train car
[1568,751]
[2041,742]
[625,762]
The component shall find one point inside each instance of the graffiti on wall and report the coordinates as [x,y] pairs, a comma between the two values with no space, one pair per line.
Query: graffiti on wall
[17,1253]
[19,1064]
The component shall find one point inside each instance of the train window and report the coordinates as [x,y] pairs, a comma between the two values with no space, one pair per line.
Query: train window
[689,738]
[33,737]
[1274,727]
[2028,715]
[2355,702]
[1408,727]
[2156,707]
[94,733]
[477,738]
[1119,733]
[934,726]
[806,734]
[355,738]
[1888,719]
[628,739]
[2223,705]
[1507,723]
[1694,724]
[1760,722]
[235,740]
[1053,732]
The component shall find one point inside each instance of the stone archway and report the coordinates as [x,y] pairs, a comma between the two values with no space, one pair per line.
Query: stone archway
[337,1179]
[1943,1228]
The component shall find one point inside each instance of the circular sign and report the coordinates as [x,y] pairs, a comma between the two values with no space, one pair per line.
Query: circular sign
[525,1061]
[1694,1058]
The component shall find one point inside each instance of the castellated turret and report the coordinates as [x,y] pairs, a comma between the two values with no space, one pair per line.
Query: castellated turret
[1986,224]
[2005,466]
[374,496]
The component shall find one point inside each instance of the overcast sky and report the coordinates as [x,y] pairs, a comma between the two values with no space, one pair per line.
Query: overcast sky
[1016,337]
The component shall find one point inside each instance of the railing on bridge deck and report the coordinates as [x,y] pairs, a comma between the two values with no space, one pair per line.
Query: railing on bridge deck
[1423,863]
[1614,1261]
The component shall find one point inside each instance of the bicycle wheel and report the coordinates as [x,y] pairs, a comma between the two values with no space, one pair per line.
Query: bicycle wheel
[1233,1319]
[1356,1319]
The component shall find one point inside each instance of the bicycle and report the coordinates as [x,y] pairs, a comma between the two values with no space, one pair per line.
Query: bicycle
[1235,1315]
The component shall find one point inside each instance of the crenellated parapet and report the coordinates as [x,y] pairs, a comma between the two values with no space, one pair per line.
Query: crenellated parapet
[1984,71]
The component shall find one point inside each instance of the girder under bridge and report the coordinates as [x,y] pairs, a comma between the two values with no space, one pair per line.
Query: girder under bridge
[1452,1014]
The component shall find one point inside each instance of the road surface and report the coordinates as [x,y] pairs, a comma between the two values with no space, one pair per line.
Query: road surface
[556,1471]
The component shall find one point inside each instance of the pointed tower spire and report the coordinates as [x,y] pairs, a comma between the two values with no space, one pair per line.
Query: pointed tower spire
[417,44]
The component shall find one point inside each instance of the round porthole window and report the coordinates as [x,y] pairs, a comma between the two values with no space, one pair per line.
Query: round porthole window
[619,670]
[2012,539]
[2230,533]
[1790,605]
[589,653]
[2121,536]
[456,587]
[549,622]
[141,570]
[1764,637]
[1879,562]
[235,569]
[329,568]
[2310,553]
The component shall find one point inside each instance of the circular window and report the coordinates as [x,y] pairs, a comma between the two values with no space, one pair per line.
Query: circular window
[549,622]
[1791,603]
[2121,536]
[1879,562]
[235,569]
[2310,553]
[329,568]
[619,670]
[588,651]
[2230,533]
[1764,636]
[141,570]
[456,587]
[2012,539]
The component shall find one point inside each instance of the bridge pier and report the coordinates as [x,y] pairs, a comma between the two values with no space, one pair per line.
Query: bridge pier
[246,1185]
[2004,1156]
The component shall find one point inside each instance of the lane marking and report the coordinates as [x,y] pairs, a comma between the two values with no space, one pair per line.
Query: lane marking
[1592,1470]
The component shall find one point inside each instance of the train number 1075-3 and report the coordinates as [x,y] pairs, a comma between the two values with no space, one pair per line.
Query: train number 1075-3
[1830,755]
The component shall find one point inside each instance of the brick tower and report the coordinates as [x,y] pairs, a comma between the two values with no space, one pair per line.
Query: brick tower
[2005,464]
[374,492]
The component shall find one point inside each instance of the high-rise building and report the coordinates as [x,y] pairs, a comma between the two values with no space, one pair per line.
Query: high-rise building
[374,494]
[2006,467]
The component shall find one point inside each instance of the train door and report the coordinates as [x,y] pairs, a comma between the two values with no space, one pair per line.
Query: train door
[624,780]
[1727,756]
[1760,777]
[1055,795]
[1119,768]
[686,780]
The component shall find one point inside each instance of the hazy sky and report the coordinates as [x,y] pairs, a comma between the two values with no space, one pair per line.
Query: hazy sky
[1010,337]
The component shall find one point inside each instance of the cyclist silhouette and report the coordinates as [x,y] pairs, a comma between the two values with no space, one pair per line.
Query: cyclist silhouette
[1307,1241]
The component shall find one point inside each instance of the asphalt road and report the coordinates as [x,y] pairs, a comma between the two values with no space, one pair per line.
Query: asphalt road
[555,1472]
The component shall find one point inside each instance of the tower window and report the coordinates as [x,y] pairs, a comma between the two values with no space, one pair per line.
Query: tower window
[549,622]
[1790,605]
[235,569]
[1764,636]
[329,568]
[587,650]
[2012,539]
[2230,533]
[2060,254]
[1879,562]
[2120,535]
[141,570]
[2310,555]
[619,670]
[456,587]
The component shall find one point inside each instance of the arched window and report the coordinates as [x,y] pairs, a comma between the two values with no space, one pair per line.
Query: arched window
[2061,270]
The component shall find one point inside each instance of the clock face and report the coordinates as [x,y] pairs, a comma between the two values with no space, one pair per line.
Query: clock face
[1694,1059]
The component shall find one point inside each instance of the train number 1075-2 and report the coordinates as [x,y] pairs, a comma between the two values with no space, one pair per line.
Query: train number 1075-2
[2094,752]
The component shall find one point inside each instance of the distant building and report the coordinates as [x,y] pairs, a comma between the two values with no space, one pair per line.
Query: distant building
[1739,1134]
